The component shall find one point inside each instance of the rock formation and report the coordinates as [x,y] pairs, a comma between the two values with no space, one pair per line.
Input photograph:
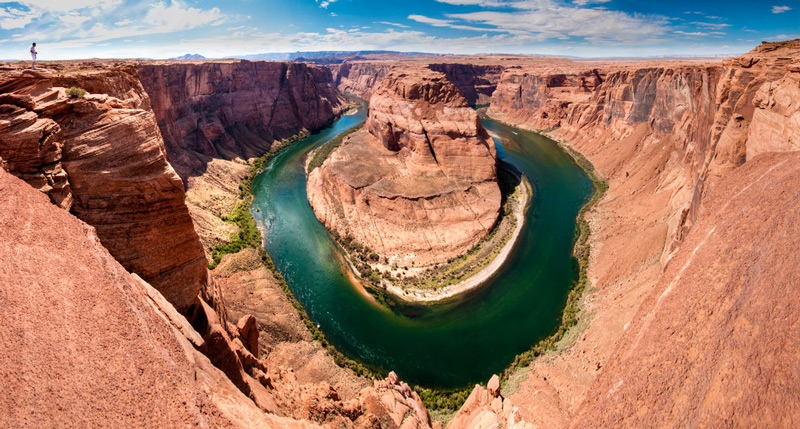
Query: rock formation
[360,78]
[87,343]
[232,110]
[214,116]
[104,161]
[667,137]
[486,408]
[476,82]
[418,184]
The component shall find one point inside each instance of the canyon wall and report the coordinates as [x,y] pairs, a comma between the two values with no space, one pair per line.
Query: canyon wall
[476,82]
[104,161]
[86,343]
[674,140]
[232,110]
[360,78]
[418,184]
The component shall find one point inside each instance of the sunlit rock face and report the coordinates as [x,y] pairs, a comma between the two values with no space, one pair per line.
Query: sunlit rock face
[418,184]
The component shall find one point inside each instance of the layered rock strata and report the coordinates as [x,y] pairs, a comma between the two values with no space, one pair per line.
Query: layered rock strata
[360,78]
[476,82]
[668,137]
[85,343]
[215,116]
[232,110]
[418,184]
[104,161]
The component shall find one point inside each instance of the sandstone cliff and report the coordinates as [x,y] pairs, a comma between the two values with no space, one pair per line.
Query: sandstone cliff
[360,78]
[215,116]
[85,343]
[419,184]
[104,161]
[237,109]
[476,82]
[667,137]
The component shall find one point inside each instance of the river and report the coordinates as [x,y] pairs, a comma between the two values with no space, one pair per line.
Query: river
[442,346]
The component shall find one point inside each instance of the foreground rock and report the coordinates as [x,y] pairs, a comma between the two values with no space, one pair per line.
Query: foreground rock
[104,161]
[419,184]
[85,342]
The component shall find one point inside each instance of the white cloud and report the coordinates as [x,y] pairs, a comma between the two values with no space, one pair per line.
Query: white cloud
[69,5]
[178,16]
[780,9]
[123,22]
[324,3]
[392,24]
[333,14]
[710,25]
[693,34]
[585,2]
[560,22]
[73,18]
[449,23]
[11,18]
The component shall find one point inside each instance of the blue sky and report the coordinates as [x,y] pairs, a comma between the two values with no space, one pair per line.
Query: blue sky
[65,29]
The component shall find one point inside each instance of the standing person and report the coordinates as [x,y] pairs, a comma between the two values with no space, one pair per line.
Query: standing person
[33,56]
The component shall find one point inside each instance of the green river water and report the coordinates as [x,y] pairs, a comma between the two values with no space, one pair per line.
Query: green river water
[442,346]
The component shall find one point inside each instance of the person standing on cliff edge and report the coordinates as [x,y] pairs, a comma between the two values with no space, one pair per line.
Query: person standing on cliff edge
[33,55]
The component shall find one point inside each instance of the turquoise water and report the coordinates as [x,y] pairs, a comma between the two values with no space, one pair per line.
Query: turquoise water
[443,346]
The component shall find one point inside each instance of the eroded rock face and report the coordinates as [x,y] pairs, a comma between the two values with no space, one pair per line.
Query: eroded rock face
[487,408]
[716,340]
[418,184]
[85,342]
[476,82]
[360,78]
[232,110]
[674,142]
[105,162]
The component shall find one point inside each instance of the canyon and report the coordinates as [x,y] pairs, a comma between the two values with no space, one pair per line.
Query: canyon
[690,318]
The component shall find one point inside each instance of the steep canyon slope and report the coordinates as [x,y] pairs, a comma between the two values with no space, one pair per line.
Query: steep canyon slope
[418,184]
[670,138]
[103,160]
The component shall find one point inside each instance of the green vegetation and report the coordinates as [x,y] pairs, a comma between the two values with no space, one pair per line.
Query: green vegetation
[443,400]
[321,154]
[75,92]
[248,234]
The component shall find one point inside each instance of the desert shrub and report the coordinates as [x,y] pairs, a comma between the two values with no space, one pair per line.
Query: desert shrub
[75,92]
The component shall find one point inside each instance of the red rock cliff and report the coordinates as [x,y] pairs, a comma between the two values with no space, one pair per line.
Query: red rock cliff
[104,161]
[476,82]
[236,109]
[692,152]
[419,183]
[86,343]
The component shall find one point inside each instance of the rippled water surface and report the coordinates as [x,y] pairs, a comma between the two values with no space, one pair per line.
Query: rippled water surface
[445,346]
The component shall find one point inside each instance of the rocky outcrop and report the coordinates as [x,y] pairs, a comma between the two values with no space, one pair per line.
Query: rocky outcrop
[716,339]
[419,184]
[104,161]
[476,82]
[667,137]
[85,342]
[486,408]
[360,78]
[232,110]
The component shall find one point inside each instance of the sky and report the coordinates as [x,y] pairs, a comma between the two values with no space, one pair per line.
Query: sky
[72,29]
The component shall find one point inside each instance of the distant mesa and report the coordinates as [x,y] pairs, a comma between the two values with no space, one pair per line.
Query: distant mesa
[190,57]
